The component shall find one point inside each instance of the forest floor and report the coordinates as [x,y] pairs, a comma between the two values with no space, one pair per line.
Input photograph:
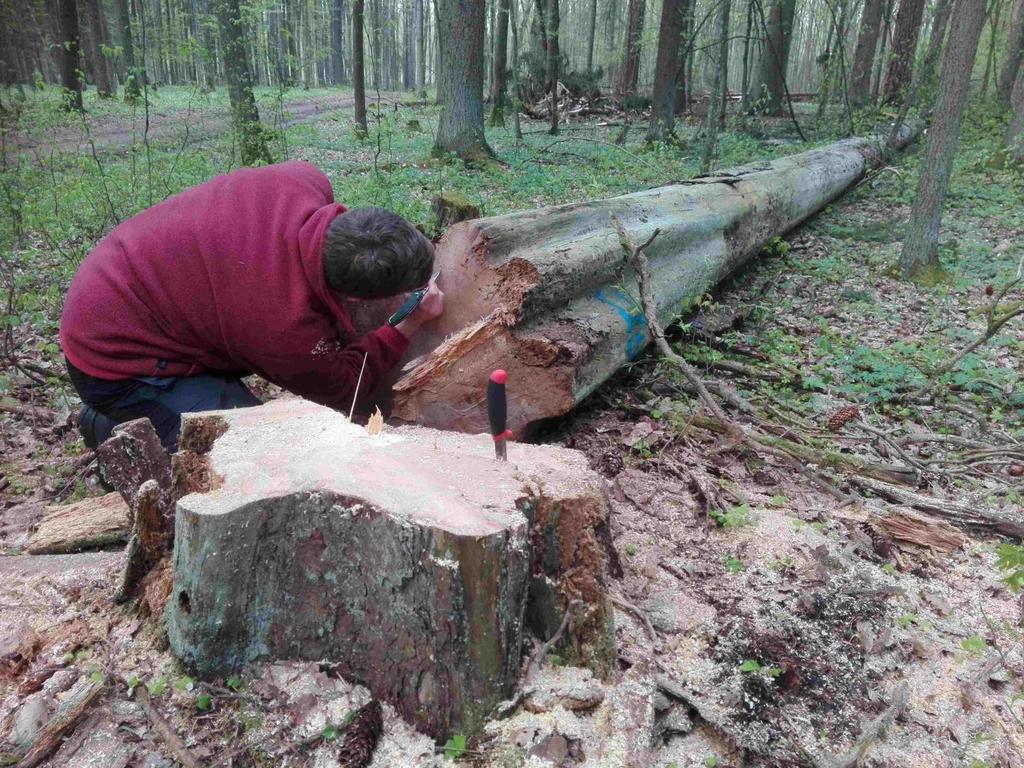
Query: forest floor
[782,612]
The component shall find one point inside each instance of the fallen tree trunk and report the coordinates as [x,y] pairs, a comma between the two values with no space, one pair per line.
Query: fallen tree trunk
[546,295]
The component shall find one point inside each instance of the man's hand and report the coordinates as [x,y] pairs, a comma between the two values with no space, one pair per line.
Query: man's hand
[430,307]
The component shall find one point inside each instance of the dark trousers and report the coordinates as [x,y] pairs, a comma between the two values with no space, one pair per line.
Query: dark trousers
[161,400]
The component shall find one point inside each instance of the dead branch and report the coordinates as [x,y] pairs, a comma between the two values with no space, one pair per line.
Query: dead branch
[533,667]
[873,731]
[995,319]
[164,731]
[967,516]
[628,606]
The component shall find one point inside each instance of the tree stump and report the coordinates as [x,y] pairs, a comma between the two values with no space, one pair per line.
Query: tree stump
[405,558]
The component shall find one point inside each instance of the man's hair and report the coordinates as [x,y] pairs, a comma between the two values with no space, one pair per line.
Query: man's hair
[370,253]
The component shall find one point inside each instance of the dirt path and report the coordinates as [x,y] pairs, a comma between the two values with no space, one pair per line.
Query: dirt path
[188,126]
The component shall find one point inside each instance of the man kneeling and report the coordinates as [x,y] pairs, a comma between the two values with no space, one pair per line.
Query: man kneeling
[242,274]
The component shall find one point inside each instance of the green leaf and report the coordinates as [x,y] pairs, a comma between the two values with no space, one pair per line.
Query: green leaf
[974,645]
[455,746]
[779,500]
[750,665]
[711,761]
[96,677]
[157,687]
[234,683]
[203,702]
[184,684]
[330,733]
[133,682]
[733,564]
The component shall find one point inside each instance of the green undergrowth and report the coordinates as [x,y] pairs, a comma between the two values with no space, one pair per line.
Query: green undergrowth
[839,327]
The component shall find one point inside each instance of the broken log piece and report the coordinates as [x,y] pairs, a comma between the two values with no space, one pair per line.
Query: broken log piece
[71,709]
[970,517]
[404,558]
[452,207]
[87,524]
[544,294]
[131,456]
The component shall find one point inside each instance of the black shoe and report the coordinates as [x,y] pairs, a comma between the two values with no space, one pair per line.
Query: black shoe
[94,426]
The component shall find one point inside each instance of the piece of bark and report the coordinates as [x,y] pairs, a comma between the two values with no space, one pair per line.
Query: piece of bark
[543,293]
[907,528]
[403,557]
[87,524]
[149,541]
[969,516]
[131,456]
[70,711]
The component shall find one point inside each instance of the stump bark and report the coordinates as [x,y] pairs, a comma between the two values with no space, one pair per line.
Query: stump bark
[405,558]
[545,295]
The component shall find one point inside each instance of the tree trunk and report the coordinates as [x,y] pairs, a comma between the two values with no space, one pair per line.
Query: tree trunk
[338,19]
[864,53]
[554,21]
[460,128]
[938,34]
[1015,131]
[630,73]
[771,83]
[542,293]
[1014,50]
[517,127]
[244,115]
[70,54]
[99,39]
[418,590]
[904,48]
[745,82]
[358,72]
[498,86]
[591,35]
[663,99]
[920,256]
[419,31]
[719,86]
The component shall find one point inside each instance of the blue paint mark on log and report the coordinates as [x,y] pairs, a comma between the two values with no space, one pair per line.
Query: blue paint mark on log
[632,316]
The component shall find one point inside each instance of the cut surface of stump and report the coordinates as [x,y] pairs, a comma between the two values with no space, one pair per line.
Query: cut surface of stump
[404,558]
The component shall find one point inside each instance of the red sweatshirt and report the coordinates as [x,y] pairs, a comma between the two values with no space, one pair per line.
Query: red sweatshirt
[225,277]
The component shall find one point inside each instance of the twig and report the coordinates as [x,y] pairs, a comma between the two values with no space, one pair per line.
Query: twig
[359,381]
[533,667]
[164,731]
[605,143]
[628,606]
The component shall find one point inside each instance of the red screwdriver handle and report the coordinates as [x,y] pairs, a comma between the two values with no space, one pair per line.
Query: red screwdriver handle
[497,406]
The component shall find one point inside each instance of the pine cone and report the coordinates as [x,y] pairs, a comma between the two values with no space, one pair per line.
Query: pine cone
[361,737]
[844,415]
